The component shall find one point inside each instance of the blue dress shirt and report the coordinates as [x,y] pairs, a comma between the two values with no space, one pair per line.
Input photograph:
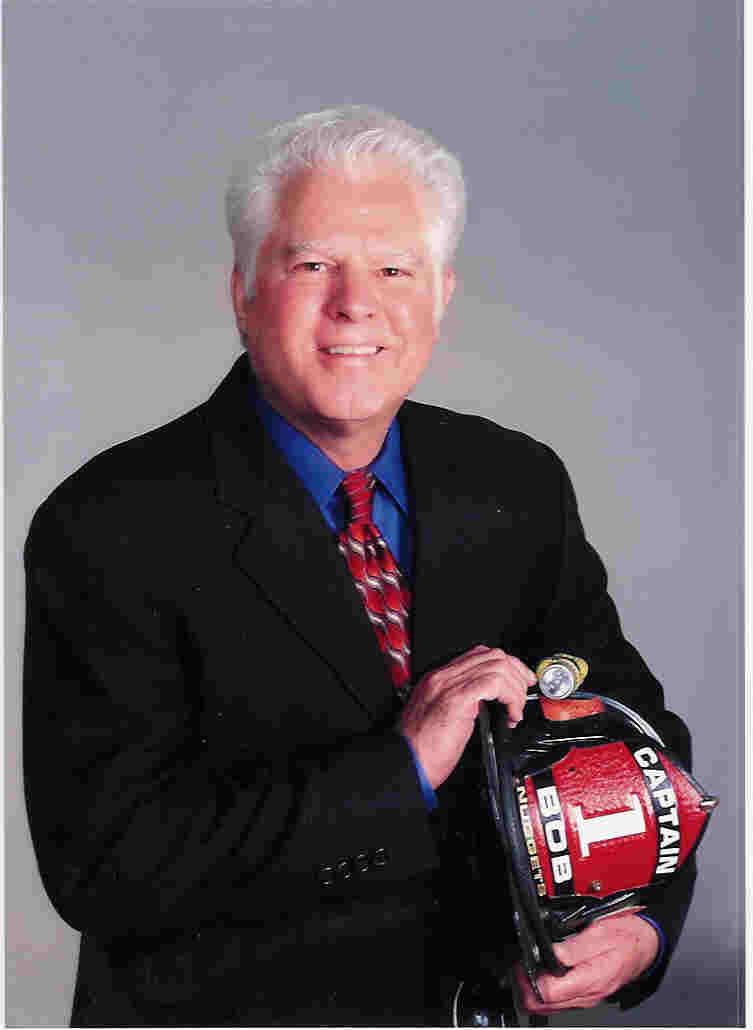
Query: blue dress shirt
[392,510]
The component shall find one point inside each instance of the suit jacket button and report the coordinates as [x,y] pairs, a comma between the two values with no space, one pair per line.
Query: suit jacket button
[381,858]
[344,869]
[361,862]
[326,875]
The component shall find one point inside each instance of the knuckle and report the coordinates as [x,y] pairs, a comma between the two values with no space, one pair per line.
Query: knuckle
[435,680]
[544,984]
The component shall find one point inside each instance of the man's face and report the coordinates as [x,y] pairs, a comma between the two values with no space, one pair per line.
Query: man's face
[348,299]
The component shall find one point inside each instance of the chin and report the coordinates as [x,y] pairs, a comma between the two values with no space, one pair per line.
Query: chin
[357,416]
[361,409]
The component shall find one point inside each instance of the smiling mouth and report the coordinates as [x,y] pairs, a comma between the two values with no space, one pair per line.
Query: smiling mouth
[354,350]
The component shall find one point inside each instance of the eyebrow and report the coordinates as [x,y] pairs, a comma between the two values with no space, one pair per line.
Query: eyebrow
[313,246]
[292,249]
[405,255]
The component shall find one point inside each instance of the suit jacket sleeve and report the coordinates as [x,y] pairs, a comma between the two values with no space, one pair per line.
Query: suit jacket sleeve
[581,619]
[139,824]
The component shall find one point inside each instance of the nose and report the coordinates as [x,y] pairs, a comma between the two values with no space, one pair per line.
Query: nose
[353,297]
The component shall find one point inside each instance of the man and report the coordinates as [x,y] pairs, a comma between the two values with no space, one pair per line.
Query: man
[259,636]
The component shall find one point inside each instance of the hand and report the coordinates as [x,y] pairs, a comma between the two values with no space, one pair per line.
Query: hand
[605,956]
[439,716]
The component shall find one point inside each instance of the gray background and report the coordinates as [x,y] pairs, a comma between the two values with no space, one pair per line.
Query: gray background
[599,310]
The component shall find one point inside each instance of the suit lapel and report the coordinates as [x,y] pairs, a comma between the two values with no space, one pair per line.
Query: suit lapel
[289,551]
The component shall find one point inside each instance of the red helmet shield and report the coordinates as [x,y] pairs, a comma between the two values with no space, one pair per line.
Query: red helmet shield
[609,817]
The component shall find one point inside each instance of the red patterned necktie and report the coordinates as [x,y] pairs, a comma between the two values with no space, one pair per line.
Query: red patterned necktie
[378,578]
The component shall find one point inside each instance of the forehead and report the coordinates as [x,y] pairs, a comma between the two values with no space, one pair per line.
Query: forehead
[378,203]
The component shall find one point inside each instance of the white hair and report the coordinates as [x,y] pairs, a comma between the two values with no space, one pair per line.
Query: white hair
[339,136]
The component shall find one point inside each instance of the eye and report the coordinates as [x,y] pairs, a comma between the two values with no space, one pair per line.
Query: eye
[310,266]
[390,272]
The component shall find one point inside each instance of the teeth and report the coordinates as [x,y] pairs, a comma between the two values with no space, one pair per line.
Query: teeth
[351,350]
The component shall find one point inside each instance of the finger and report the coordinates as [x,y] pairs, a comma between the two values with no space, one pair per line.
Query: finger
[469,659]
[528,675]
[495,658]
[477,650]
[632,938]
[516,667]
[456,672]
[443,674]
[529,1002]
[525,996]
[581,948]
[581,981]
[584,986]
[490,686]
[488,673]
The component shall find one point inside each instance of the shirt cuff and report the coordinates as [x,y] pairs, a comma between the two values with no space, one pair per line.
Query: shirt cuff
[662,946]
[426,788]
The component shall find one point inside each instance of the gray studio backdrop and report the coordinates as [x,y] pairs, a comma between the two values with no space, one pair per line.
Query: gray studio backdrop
[599,310]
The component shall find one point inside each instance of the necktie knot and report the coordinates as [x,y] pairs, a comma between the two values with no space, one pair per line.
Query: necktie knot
[359,492]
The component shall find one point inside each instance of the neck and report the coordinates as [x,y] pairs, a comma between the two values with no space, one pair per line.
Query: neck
[348,450]
[350,444]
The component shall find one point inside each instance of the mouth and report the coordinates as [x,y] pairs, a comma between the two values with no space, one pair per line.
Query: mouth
[353,350]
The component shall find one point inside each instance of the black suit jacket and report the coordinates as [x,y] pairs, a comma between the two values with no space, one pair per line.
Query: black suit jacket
[217,796]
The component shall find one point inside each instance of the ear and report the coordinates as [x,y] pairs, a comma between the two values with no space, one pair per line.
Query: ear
[240,300]
[449,282]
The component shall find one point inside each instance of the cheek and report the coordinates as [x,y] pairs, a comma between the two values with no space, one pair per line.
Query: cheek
[296,311]
[416,321]
[283,322]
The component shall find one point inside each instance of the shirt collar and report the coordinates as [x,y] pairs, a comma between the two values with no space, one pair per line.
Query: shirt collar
[389,469]
[317,472]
